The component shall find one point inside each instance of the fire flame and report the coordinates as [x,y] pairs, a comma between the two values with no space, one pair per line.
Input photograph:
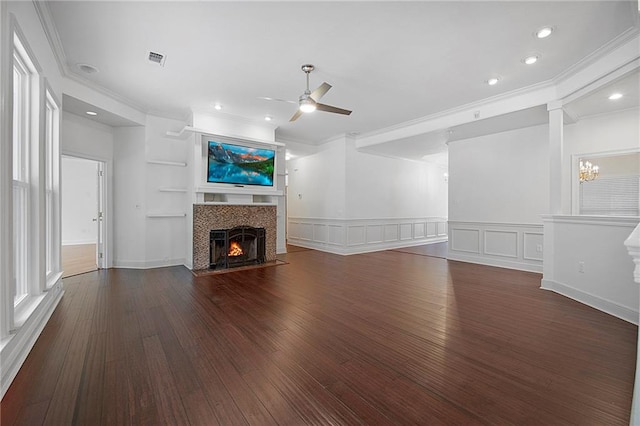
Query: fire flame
[235,249]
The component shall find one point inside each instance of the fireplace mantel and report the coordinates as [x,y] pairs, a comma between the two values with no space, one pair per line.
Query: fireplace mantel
[247,196]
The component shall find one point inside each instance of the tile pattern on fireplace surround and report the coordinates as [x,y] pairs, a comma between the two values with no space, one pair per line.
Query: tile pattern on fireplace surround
[209,217]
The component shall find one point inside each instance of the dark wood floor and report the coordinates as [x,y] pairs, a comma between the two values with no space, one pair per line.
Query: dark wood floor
[379,338]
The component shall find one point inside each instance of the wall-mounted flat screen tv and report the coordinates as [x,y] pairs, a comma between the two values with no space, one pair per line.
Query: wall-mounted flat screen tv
[240,165]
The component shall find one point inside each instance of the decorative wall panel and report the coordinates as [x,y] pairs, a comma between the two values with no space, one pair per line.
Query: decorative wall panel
[507,245]
[350,236]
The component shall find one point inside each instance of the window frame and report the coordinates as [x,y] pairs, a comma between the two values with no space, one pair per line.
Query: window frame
[51,137]
[30,182]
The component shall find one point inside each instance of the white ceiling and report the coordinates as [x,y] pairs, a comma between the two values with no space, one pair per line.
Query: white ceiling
[389,62]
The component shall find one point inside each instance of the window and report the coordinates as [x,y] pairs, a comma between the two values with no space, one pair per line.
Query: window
[51,183]
[21,184]
[615,191]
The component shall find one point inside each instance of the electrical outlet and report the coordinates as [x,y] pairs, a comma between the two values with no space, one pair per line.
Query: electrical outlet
[581,267]
[539,248]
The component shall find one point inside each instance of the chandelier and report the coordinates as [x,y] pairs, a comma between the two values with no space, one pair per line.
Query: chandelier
[588,171]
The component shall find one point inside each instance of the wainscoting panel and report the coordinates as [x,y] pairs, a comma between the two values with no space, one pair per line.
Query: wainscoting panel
[406,231]
[432,229]
[374,234]
[336,235]
[501,243]
[390,233]
[307,231]
[507,245]
[465,240]
[532,249]
[320,233]
[442,228]
[351,236]
[356,235]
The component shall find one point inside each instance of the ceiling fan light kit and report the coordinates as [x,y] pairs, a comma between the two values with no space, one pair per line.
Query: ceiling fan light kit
[308,101]
[307,104]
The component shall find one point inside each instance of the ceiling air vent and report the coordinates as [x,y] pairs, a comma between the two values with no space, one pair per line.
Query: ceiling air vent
[157,58]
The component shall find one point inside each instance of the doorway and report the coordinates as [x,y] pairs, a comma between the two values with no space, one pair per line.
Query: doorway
[82,189]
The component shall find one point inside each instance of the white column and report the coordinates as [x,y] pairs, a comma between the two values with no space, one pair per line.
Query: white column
[633,247]
[556,142]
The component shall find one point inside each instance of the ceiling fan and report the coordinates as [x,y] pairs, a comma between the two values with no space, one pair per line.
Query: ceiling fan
[308,101]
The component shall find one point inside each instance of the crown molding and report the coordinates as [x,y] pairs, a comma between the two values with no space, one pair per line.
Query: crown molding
[107,92]
[53,37]
[597,54]
[604,114]
[50,31]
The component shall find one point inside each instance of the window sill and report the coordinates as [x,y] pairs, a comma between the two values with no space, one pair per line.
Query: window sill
[25,309]
[52,279]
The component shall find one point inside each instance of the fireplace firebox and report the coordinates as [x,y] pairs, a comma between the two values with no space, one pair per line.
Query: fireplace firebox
[240,246]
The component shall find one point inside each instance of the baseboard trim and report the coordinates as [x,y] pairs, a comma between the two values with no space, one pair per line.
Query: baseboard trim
[500,263]
[369,248]
[589,299]
[147,264]
[15,352]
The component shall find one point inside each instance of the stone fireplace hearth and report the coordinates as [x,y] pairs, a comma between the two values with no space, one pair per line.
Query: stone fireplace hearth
[208,217]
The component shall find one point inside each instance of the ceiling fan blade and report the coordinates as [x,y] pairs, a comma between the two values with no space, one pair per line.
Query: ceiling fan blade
[329,108]
[320,91]
[296,115]
[276,99]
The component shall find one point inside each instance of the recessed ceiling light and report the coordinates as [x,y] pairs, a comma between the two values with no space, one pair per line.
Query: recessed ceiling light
[544,32]
[493,81]
[615,96]
[267,118]
[87,68]
[530,60]
[218,107]
[92,113]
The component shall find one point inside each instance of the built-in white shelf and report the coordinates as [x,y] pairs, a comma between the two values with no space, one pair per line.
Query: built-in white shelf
[167,163]
[172,189]
[237,198]
[244,190]
[165,215]
[234,203]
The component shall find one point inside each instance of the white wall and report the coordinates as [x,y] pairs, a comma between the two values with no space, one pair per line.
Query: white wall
[344,201]
[79,185]
[166,239]
[317,186]
[382,187]
[498,190]
[503,177]
[585,259]
[86,138]
[129,196]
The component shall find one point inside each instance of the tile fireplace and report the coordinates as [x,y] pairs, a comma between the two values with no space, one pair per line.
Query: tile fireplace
[210,219]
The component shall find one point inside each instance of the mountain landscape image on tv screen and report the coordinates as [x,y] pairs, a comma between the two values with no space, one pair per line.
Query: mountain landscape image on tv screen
[240,165]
